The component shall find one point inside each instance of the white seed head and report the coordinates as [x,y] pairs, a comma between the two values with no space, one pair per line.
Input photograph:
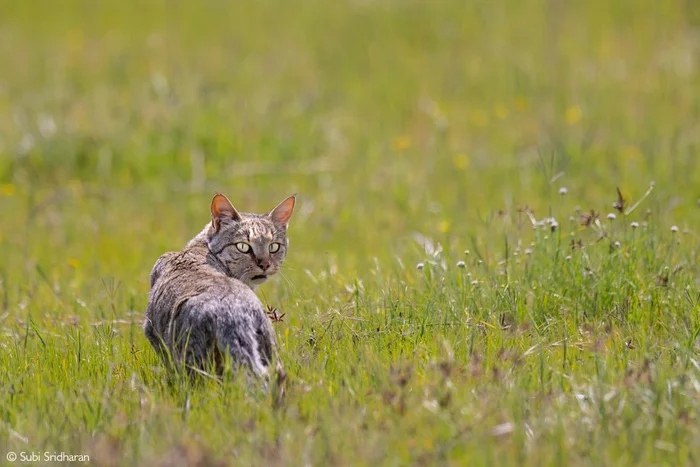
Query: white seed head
[467,252]
[563,191]
[674,228]
[612,216]
[460,264]
[420,266]
[634,225]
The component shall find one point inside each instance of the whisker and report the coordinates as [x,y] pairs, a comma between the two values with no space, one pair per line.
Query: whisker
[291,287]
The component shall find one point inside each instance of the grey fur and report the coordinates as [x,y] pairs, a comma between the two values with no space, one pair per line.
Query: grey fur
[202,306]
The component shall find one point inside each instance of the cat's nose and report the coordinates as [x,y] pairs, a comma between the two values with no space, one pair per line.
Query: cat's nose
[264,265]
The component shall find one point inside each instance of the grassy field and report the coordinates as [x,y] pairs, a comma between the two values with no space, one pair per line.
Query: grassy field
[427,321]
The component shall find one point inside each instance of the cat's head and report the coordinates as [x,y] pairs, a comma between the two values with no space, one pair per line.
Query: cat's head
[251,247]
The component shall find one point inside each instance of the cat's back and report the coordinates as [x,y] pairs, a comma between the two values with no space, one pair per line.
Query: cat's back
[179,276]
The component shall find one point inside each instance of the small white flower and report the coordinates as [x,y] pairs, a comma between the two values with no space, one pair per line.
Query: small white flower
[568,258]
[548,223]
[460,264]
[475,282]
[617,244]
[420,266]
[612,216]
[467,252]
[563,191]
[26,144]
[528,251]
[674,228]
[47,125]
[634,225]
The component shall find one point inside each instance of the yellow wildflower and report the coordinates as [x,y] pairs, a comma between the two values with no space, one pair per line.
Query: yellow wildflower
[460,161]
[573,115]
[7,190]
[401,143]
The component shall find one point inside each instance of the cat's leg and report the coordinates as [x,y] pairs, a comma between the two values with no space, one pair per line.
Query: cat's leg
[155,328]
[154,338]
[157,320]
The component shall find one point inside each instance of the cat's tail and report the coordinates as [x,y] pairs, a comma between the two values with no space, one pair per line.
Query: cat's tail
[236,325]
[247,336]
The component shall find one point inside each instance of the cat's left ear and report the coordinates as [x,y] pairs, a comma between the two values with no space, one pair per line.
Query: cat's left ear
[283,212]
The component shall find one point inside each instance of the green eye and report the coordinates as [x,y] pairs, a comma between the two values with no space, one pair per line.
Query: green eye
[243,247]
[274,247]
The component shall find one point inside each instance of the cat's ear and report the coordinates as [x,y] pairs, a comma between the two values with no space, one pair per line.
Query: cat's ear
[221,210]
[283,212]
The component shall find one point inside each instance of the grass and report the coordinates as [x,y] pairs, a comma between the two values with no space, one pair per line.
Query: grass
[413,132]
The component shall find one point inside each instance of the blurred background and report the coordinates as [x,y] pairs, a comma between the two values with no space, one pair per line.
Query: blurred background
[411,130]
[119,120]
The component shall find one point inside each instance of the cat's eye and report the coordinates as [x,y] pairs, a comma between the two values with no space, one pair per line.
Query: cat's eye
[274,247]
[243,247]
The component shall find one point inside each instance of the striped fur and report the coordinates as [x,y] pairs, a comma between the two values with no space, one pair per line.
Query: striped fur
[202,306]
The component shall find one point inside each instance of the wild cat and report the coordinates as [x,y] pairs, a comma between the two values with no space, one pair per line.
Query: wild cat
[201,305]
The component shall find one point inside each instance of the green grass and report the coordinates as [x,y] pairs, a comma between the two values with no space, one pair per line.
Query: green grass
[411,131]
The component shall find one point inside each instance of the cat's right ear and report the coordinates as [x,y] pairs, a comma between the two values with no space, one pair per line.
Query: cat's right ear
[283,212]
[222,210]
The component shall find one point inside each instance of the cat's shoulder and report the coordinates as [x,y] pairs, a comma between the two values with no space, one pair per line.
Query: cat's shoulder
[161,264]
